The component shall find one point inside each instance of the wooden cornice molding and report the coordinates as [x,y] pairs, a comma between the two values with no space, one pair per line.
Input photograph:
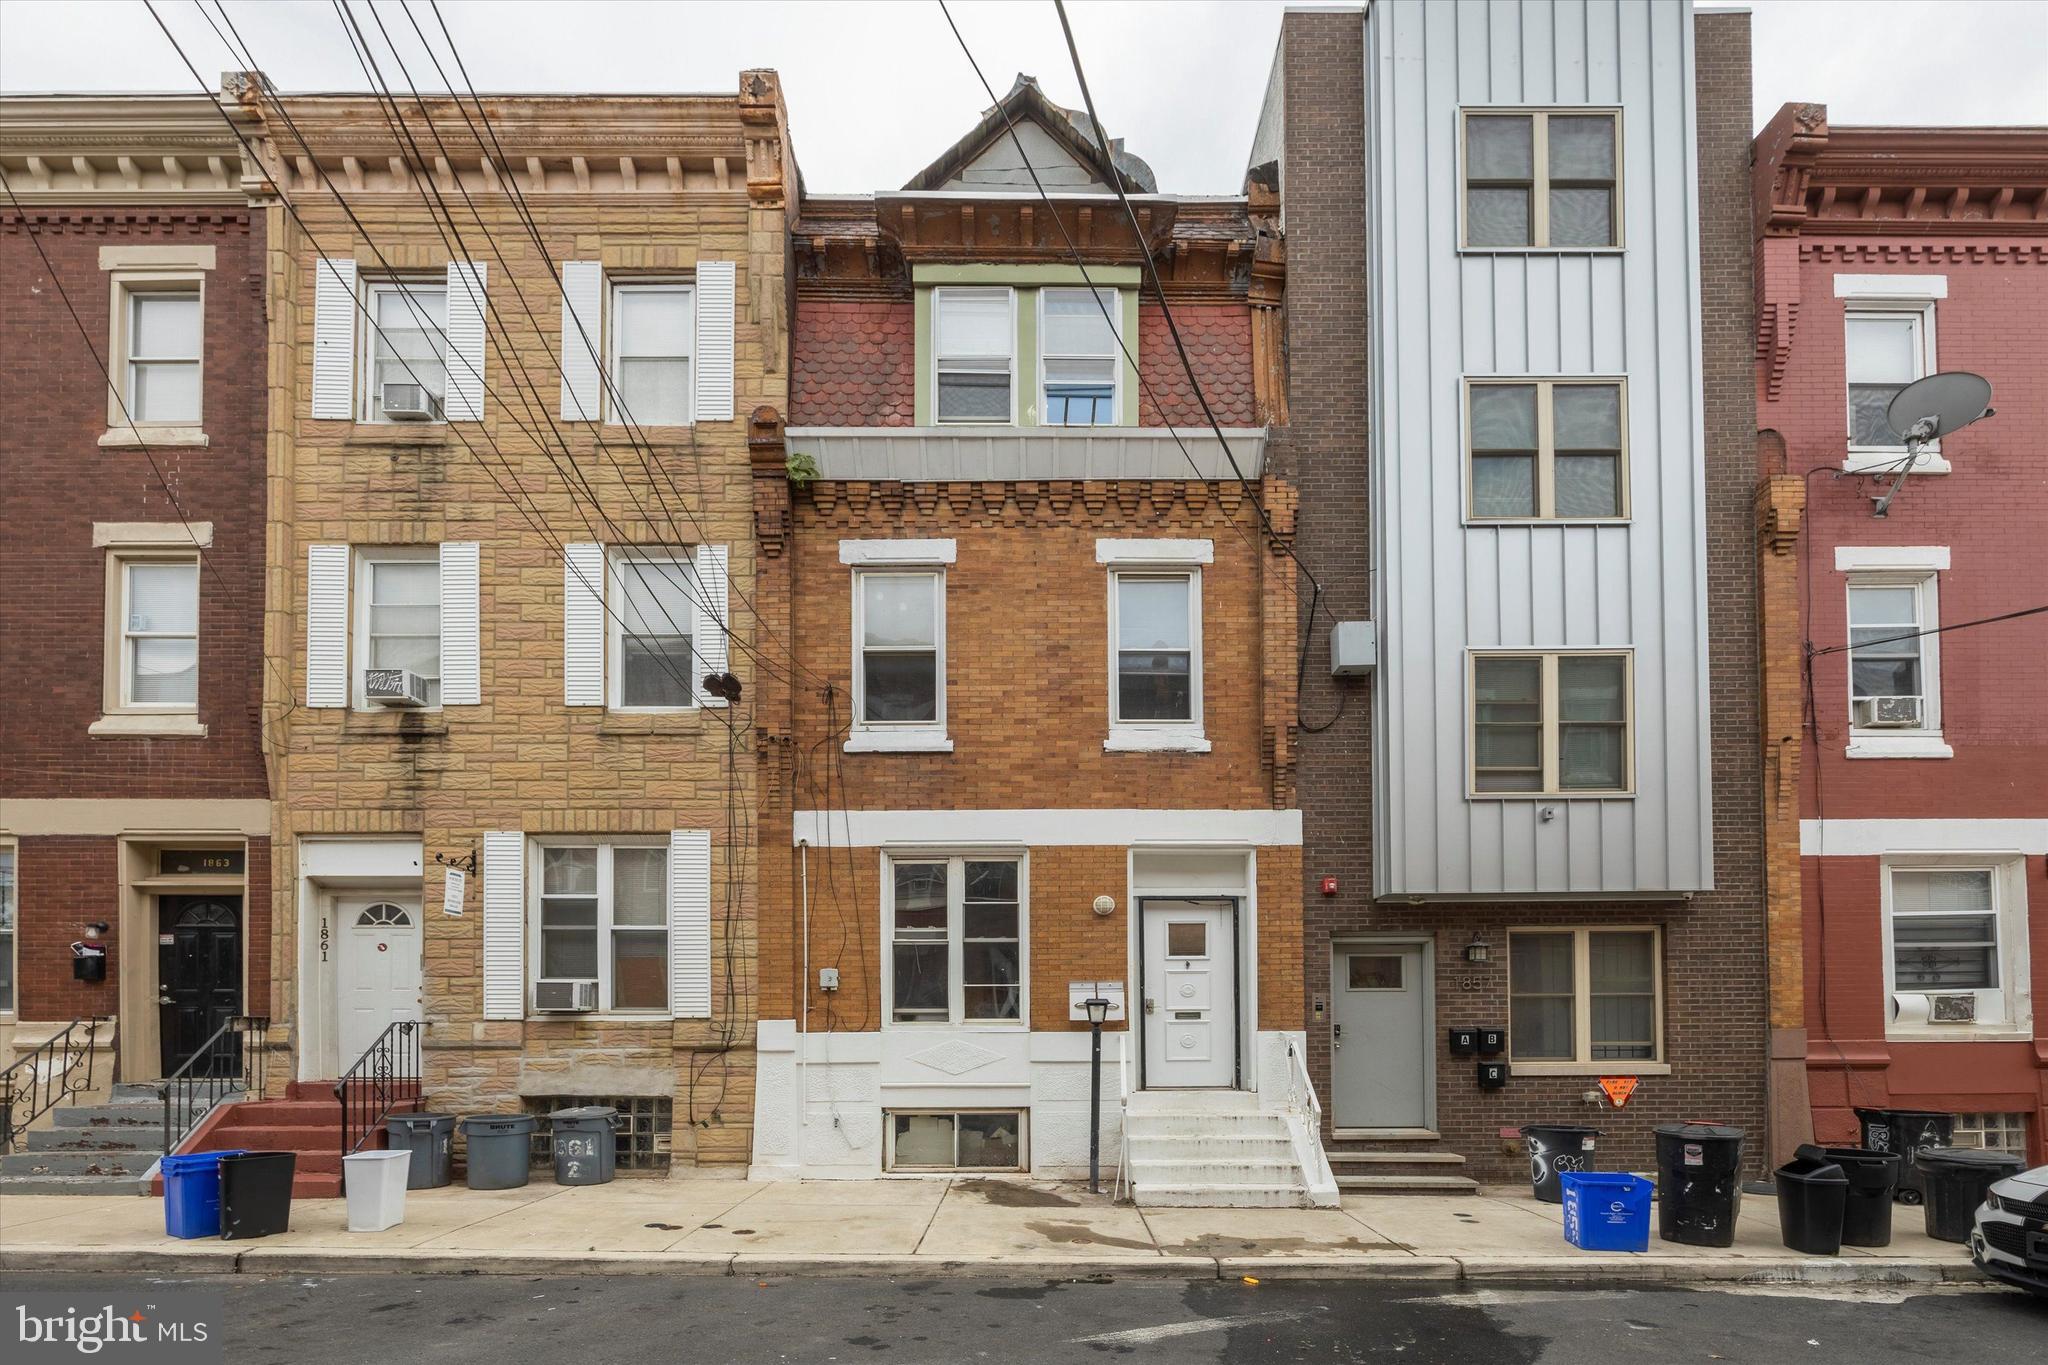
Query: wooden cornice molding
[121,149]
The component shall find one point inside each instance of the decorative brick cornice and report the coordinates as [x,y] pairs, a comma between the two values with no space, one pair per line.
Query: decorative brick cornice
[1913,253]
[1150,503]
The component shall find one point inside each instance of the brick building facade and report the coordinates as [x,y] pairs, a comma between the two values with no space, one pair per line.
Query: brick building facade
[1913,760]
[133,796]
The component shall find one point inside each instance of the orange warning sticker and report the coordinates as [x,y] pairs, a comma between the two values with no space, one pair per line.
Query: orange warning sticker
[1618,1088]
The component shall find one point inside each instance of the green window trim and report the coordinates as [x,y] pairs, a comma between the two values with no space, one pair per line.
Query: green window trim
[1026,280]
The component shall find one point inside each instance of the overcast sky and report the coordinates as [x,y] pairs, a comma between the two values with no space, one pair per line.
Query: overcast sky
[878,88]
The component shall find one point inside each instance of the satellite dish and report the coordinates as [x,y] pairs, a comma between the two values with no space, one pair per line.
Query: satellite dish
[1929,409]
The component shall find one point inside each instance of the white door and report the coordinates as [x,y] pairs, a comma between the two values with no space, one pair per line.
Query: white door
[1190,995]
[378,980]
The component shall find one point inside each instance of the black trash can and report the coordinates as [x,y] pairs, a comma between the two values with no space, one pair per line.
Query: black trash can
[1906,1131]
[431,1139]
[585,1149]
[1813,1193]
[256,1194]
[1867,1217]
[500,1150]
[1699,1183]
[1555,1148]
[1957,1178]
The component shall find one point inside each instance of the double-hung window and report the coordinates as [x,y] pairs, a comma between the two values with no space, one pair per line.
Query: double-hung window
[1944,929]
[7,914]
[1887,349]
[651,622]
[956,940]
[1079,356]
[1158,663]
[1956,945]
[1551,724]
[1544,179]
[653,336]
[398,589]
[1547,449]
[602,915]
[974,333]
[163,356]
[1891,657]
[407,347]
[159,645]
[900,620]
[1584,997]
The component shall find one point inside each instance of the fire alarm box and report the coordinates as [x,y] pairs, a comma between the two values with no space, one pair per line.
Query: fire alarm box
[1464,1041]
[1329,886]
[1493,1075]
[1492,1042]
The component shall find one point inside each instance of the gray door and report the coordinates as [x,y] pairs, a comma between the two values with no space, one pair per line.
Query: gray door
[1379,1036]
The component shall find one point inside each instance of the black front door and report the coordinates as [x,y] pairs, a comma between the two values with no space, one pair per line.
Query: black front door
[199,979]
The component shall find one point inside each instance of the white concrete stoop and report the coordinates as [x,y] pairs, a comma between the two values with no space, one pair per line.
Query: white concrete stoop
[1221,1149]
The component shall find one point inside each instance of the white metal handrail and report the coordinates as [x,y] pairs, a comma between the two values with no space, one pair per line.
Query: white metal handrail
[1301,1087]
[1123,1109]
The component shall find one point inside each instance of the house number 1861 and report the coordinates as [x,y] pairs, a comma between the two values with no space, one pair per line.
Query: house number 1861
[323,938]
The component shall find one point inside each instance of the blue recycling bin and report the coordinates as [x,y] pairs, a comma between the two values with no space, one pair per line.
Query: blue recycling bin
[1606,1211]
[192,1194]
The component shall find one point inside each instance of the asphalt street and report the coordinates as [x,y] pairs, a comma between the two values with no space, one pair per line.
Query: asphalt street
[404,1320]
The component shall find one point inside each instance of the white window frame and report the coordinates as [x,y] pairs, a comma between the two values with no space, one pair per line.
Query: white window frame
[363,560]
[608,397]
[1914,298]
[1539,186]
[1872,567]
[127,282]
[368,399]
[938,296]
[1582,1062]
[1551,720]
[1023,1114]
[10,935]
[605,846]
[118,700]
[876,736]
[1546,448]
[2012,999]
[1157,559]
[1114,355]
[956,862]
[619,561]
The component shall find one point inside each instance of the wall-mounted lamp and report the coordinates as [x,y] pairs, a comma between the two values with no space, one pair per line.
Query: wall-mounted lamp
[1105,905]
[1478,950]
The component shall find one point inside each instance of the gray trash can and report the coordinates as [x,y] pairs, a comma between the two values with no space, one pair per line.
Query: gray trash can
[500,1149]
[431,1140]
[585,1152]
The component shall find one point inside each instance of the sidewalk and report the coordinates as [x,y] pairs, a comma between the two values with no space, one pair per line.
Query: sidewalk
[699,1226]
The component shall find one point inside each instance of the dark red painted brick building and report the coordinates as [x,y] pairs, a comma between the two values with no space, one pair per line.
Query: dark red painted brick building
[133,798]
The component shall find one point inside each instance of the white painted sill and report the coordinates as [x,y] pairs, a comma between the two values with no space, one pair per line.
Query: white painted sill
[1125,739]
[1898,746]
[154,436]
[1590,1068]
[898,742]
[1879,461]
[147,725]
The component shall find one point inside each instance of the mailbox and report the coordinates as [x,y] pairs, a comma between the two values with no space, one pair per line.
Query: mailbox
[1492,1042]
[1464,1041]
[1492,1075]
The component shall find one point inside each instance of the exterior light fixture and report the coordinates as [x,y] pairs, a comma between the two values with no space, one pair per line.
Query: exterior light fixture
[1098,1014]
[1478,950]
[1098,1011]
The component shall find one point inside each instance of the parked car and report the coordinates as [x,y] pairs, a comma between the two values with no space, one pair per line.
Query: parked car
[2010,1239]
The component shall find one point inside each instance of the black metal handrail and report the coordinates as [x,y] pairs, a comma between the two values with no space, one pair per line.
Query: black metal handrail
[235,1060]
[384,1080]
[47,1077]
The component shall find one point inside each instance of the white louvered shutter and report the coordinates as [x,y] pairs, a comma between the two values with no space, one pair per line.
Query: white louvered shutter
[708,639]
[582,303]
[583,624]
[715,293]
[461,680]
[689,923]
[327,625]
[504,924]
[334,338]
[467,300]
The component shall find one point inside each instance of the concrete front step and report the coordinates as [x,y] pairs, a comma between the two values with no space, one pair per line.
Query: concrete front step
[1152,1171]
[1377,1158]
[126,1137]
[72,1184]
[1407,1184]
[1219,1196]
[1157,1124]
[120,1115]
[1224,1147]
[273,1137]
[102,1163]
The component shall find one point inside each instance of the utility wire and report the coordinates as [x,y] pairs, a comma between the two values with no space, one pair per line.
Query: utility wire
[1813,653]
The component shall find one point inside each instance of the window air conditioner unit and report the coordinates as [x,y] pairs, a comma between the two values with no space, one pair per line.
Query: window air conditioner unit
[1887,713]
[564,996]
[1958,1007]
[394,687]
[404,401]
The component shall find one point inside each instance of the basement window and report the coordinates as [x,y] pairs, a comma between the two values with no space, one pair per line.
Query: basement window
[643,1128]
[935,1140]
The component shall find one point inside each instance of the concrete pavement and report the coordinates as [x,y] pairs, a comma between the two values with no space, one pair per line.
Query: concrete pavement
[928,1226]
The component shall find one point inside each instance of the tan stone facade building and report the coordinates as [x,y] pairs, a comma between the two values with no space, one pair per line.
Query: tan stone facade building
[514,343]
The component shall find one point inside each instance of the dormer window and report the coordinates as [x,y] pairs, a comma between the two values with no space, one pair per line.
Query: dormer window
[1078,345]
[975,341]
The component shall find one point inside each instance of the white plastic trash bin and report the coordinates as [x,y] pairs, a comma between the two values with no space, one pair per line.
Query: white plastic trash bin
[375,1182]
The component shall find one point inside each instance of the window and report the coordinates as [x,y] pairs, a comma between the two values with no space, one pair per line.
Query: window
[900,621]
[407,345]
[1551,724]
[1373,972]
[603,916]
[1544,179]
[1944,930]
[1584,997]
[974,335]
[1158,663]
[1888,654]
[8,902]
[1887,350]
[159,634]
[1548,449]
[1992,1132]
[922,1141]
[163,356]
[956,940]
[642,1132]
[1955,926]
[652,616]
[1077,332]
[654,329]
[399,592]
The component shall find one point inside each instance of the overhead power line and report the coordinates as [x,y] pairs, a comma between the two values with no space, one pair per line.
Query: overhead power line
[1931,630]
